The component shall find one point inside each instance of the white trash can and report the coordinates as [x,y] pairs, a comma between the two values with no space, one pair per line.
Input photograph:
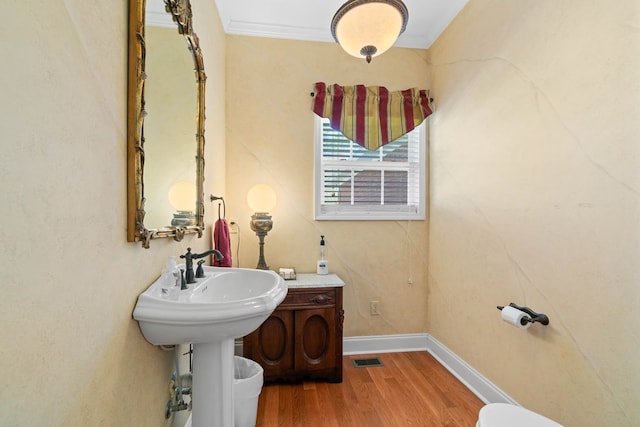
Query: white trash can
[248,377]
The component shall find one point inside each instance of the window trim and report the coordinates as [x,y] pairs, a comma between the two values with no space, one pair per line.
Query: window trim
[356,212]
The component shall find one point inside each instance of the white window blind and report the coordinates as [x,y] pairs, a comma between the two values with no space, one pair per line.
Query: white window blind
[353,183]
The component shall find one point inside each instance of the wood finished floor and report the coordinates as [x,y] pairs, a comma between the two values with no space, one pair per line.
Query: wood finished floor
[411,389]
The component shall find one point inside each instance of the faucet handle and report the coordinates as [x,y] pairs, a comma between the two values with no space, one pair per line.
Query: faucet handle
[183,282]
[200,270]
[188,255]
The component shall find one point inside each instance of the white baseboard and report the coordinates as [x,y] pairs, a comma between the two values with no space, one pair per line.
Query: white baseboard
[238,347]
[472,379]
[384,344]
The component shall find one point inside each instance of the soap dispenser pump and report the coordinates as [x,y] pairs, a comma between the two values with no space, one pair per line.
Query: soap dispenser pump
[323,264]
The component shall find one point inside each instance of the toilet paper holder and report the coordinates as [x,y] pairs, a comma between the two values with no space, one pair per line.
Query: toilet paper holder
[533,316]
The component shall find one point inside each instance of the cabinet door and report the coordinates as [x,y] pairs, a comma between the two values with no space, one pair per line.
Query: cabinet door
[273,344]
[315,346]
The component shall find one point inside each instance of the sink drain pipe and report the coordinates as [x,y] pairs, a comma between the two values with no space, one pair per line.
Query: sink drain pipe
[178,388]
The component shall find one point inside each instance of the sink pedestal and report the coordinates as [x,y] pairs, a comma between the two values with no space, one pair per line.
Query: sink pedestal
[212,386]
[226,303]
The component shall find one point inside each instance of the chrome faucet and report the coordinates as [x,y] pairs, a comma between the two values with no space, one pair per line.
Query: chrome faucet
[189,257]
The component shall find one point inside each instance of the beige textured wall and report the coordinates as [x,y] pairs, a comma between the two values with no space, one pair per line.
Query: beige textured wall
[270,130]
[71,354]
[535,184]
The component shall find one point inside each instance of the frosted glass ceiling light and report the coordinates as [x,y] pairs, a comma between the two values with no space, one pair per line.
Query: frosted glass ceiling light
[368,28]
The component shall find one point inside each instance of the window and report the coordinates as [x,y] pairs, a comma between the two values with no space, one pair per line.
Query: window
[353,183]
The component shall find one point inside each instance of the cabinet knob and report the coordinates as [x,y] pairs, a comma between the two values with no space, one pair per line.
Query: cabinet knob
[320,299]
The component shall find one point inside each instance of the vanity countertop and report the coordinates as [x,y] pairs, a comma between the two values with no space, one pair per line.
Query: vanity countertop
[312,280]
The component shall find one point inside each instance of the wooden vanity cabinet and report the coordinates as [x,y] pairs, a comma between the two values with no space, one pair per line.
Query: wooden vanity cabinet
[302,339]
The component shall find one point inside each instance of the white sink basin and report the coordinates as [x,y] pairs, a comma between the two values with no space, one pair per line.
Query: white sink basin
[226,303]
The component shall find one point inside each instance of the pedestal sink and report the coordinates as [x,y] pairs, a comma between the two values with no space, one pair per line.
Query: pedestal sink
[227,303]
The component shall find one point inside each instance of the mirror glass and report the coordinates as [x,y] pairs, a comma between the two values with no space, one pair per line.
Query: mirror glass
[166,144]
[169,126]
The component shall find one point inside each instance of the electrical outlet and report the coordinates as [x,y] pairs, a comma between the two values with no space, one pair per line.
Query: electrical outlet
[233,229]
[374,308]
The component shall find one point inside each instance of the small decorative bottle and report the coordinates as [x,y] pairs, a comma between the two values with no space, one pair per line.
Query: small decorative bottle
[323,264]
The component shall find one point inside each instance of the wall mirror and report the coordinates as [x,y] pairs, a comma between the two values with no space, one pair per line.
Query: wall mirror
[165,165]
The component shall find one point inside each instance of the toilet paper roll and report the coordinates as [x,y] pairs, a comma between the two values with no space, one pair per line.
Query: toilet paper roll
[514,317]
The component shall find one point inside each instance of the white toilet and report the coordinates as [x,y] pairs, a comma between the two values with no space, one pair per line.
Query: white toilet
[505,415]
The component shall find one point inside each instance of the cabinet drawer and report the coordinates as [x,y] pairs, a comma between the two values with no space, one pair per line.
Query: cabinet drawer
[299,298]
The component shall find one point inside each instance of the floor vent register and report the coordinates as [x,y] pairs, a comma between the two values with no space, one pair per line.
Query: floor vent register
[367,363]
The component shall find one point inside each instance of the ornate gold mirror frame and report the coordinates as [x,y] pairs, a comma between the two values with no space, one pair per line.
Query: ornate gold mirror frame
[180,10]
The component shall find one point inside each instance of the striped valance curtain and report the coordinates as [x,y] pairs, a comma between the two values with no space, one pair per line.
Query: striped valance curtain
[371,116]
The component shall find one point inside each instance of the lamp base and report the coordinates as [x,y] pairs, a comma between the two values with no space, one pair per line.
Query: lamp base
[262,264]
[261,224]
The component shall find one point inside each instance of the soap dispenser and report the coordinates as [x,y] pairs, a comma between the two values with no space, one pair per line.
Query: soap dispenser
[323,264]
[170,279]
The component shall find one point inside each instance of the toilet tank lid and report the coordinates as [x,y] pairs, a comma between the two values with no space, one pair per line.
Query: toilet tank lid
[506,415]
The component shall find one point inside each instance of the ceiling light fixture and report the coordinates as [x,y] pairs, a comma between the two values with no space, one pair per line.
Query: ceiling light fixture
[368,28]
